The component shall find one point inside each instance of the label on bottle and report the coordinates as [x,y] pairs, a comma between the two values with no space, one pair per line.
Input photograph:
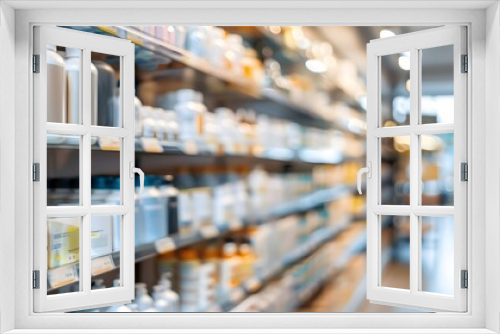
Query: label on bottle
[164,245]
[151,145]
[109,143]
[102,265]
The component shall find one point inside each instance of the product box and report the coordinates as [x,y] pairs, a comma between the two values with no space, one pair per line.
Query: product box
[63,241]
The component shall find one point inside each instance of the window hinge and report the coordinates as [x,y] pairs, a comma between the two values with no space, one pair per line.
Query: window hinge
[464,279]
[464,171]
[465,64]
[36,172]
[36,63]
[36,279]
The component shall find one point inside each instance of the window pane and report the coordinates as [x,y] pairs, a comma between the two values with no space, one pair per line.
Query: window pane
[63,170]
[105,231]
[437,85]
[437,169]
[105,71]
[63,254]
[63,84]
[395,89]
[395,155]
[395,261]
[437,254]
[106,182]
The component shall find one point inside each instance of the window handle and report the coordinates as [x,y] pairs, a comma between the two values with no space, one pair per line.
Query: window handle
[133,170]
[368,171]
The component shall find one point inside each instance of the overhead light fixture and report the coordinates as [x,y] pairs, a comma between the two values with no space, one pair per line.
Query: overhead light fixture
[384,33]
[404,62]
[275,29]
[316,66]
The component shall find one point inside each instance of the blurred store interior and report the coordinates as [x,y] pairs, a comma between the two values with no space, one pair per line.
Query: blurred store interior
[251,138]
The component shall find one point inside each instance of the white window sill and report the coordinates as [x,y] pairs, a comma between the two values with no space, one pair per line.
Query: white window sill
[253,331]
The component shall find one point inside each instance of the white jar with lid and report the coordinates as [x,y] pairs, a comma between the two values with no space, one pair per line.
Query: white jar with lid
[148,122]
[190,114]
[217,47]
[56,86]
[234,53]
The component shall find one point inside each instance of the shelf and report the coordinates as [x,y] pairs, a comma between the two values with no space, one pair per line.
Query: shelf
[259,98]
[308,292]
[110,262]
[254,284]
[162,158]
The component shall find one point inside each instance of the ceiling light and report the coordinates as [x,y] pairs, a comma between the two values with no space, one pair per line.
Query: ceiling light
[275,29]
[316,66]
[404,62]
[384,33]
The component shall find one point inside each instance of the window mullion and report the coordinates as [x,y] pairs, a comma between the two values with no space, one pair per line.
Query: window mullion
[414,168]
[86,168]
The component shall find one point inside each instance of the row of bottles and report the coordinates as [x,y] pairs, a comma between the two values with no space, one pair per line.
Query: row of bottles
[163,299]
[64,91]
[182,116]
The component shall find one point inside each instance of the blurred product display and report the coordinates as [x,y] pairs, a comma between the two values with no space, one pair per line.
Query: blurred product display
[250,139]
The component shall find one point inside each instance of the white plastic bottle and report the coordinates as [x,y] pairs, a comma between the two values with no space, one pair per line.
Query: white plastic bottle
[190,112]
[118,308]
[160,300]
[154,211]
[170,118]
[161,124]
[196,40]
[56,86]
[217,47]
[148,122]
[171,296]
[142,300]
[73,63]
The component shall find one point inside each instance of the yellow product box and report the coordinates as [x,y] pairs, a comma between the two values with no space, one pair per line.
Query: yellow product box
[63,241]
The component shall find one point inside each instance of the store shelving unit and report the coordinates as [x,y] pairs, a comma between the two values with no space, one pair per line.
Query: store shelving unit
[266,100]
[110,262]
[161,158]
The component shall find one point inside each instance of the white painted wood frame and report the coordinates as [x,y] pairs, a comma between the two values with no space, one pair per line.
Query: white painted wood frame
[415,43]
[18,18]
[85,298]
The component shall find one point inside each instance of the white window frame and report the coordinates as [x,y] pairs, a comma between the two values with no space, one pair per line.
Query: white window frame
[87,43]
[414,43]
[483,310]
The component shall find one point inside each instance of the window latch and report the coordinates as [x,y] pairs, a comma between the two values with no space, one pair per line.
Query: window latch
[139,171]
[368,171]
